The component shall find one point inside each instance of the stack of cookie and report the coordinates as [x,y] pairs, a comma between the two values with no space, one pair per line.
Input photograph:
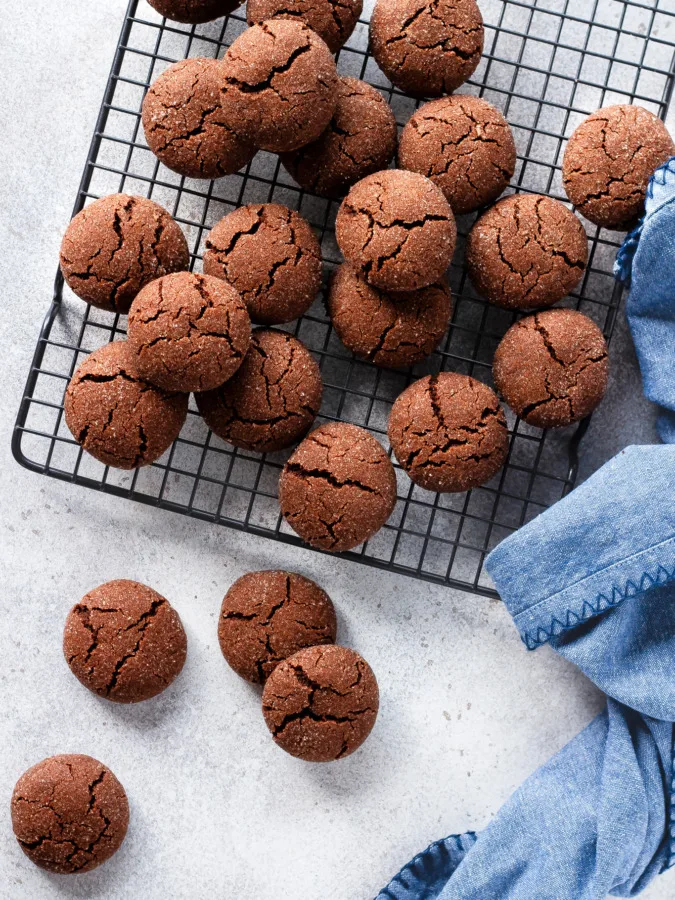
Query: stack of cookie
[277,89]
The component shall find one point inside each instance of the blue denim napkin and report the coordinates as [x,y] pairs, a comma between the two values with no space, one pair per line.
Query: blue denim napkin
[598,818]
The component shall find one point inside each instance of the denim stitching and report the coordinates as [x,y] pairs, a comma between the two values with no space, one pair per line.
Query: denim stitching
[407,869]
[534,639]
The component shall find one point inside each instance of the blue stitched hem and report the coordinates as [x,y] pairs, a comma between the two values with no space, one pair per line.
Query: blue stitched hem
[590,608]
[446,853]
[671,858]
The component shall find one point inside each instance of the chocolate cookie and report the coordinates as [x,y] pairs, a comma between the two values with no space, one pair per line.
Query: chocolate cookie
[116,416]
[552,368]
[608,163]
[526,252]
[124,642]
[272,400]
[194,11]
[116,246]
[278,85]
[269,254]
[188,332]
[69,814]
[392,330]
[184,126]
[321,703]
[397,229]
[448,432]
[268,616]
[427,48]
[333,20]
[464,145]
[338,488]
[360,139]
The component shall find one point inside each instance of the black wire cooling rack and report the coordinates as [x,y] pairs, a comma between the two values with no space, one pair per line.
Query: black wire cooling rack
[547,64]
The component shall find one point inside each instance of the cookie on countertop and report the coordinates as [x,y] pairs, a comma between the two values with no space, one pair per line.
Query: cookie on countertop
[464,145]
[124,641]
[117,417]
[333,20]
[194,12]
[552,368]
[272,400]
[448,432]
[526,252]
[609,160]
[278,85]
[339,487]
[321,703]
[427,48]
[360,139]
[184,126]
[268,616]
[69,814]
[392,330]
[397,230]
[271,256]
[188,332]
[117,245]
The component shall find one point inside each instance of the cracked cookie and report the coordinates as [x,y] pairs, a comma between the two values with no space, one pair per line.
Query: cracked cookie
[393,330]
[271,255]
[194,12]
[188,332]
[552,368]
[397,230]
[464,145]
[448,432]
[69,814]
[427,47]
[267,617]
[526,252]
[183,122]
[116,246]
[360,140]
[124,642]
[338,488]
[333,20]
[272,400]
[117,417]
[278,85]
[321,703]
[608,163]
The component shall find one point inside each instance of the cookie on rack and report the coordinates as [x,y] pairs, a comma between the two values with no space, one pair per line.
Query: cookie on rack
[392,330]
[188,332]
[272,400]
[183,122]
[427,47]
[117,245]
[116,416]
[360,139]
[552,368]
[333,20]
[194,12]
[278,85]
[266,617]
[271,256]
[397,229]
[339,487]
[69,814]
[526,252]
[448,432]
[321,703]
[608,163]
[464,145]
[140,644]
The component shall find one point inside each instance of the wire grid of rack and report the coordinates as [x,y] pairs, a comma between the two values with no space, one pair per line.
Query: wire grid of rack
[547,64]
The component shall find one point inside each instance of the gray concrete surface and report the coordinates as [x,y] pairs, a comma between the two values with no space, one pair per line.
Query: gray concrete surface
[216,808]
